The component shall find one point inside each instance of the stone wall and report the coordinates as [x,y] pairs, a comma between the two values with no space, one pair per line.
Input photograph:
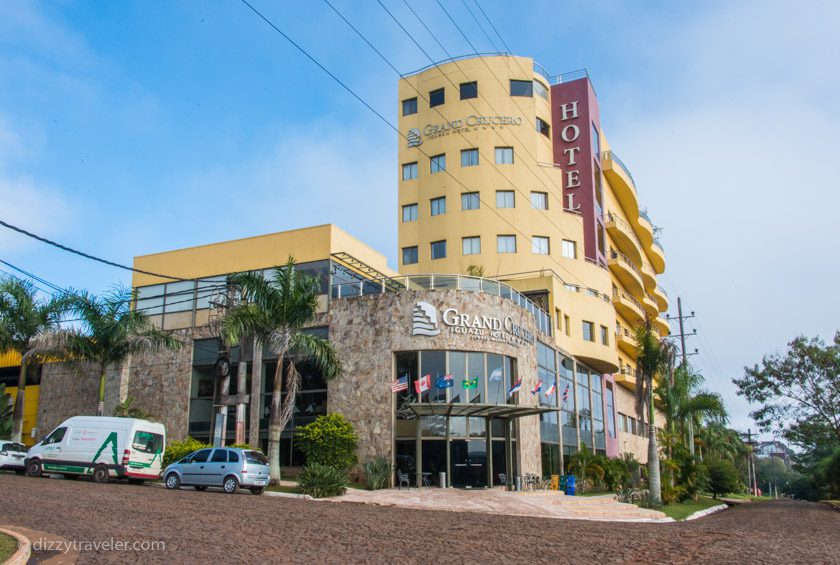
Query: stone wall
[69,389]
[367,330]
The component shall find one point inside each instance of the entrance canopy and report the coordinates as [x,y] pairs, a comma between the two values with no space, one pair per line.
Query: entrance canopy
[487,410]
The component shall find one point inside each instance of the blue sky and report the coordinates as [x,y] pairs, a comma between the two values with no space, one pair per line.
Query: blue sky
[134,127]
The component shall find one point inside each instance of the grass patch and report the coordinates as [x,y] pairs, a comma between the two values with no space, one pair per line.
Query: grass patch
[747,497]
[8,546]
[683,510]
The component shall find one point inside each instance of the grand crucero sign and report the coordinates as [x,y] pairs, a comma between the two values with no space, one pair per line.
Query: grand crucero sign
[425,321]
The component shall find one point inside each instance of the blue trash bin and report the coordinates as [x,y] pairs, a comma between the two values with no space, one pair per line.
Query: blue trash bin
[570,485]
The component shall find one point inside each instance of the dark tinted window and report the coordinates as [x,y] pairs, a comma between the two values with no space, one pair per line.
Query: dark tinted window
[201,455]
[219,456]
[18,447]
[438,249]
[147,442]
[436,98]
[56,436]
[409,255]
[255,457]
[233,457]
[469,90]
[543,127]
[521,88]
[409,106]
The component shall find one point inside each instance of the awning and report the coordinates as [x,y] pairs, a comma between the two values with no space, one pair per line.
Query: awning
[483,410]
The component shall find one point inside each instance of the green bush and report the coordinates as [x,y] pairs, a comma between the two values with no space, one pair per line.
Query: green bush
[723,478]
[329,440]
[321,481]
[377,473]
[178,449]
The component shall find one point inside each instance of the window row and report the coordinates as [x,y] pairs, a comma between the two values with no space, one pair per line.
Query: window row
[588,333]
[631,425]
[469,158]
[471,245]
[469,90]
[472,201]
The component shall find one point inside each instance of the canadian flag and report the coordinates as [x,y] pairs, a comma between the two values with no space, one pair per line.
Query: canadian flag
[422,384]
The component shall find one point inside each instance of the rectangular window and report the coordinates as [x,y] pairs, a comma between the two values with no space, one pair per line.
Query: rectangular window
[470,201]
[409,255]
[539,200]
[522,88]
[540,89]
[469,157]
[504,155]
[469,90]
[438,206]
[409,213]
[471,245]
[605,335]
[409,106]
[543,127]
[506,244]
[436,98]
[409,171]
[437,163]
[596,141]
[568,322]
[569,249]
[539,245]
[588,331]
[439,249]
[505,199]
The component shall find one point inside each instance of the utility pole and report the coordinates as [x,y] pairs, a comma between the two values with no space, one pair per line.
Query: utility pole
[684,363]
[751,475]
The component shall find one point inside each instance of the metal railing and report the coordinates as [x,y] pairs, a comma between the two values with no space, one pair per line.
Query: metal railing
[615,159]
[621,223]
[443,282]
[458,58]
[619,256]
[540,70]
[621,295]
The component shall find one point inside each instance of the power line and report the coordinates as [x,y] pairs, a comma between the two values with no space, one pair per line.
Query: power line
[481,27]
[83,254]
[489,21]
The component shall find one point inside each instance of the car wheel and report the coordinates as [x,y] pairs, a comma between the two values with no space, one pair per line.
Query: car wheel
[33,468]
[172,481]
[231,485]
[257,490]
[201,488]
[100,474]
[138,482]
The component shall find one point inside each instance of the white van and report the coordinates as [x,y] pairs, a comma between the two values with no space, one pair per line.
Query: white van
[100,447]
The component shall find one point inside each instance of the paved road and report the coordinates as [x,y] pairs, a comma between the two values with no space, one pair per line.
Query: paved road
[214,527]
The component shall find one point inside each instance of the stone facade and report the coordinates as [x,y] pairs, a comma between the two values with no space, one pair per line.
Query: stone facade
[366,332]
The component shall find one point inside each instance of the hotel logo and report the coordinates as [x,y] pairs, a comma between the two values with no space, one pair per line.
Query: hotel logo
[414,138]
[425,321]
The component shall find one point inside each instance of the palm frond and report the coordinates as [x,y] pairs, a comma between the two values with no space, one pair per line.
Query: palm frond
[321,351]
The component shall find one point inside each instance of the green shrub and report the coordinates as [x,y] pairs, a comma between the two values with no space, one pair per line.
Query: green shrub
[321,481]
[377,473]
[723,478]
[329,440]
[178,449]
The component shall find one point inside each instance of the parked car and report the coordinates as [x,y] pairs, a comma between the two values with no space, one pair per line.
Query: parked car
[12,455]
[226,467]
[102,448]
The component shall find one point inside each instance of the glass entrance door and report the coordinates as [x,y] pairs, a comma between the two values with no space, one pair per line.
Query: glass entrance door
[469,463]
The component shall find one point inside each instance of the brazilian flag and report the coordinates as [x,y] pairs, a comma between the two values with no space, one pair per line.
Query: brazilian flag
[471,383]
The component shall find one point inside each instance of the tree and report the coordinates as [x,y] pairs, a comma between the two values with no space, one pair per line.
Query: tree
[275,313]
[654,358]
[474,270]
[23,318]
[801,386]
[5,412]
[109,331]
[586,464]
[126,409]
[723,478]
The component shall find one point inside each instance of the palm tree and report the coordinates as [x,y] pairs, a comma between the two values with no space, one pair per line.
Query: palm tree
[275,312]
[585,464]
[24,317]
[654,358]
[109,332]
[685,405]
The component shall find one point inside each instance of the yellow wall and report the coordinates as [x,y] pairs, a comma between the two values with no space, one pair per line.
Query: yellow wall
[30,410]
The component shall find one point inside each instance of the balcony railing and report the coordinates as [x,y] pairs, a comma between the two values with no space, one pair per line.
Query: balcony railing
[619,256]
[658,243]
[614,158]
[626,227]
[443,282]
[624,296]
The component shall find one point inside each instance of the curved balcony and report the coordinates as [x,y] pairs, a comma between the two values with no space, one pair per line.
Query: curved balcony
[621,181]
[629,308]
[661,326]
[657,256]
[624,237]
[648,278]
[651,306]
[646,228]
[442,282]
[625,340]
[625,376]
[661,298]
[626,271]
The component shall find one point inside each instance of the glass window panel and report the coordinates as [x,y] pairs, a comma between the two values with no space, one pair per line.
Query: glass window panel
[498,382]
[539,200]
[409,213]
[504,155]
[543,127]
[469,157]
[409,106]
[433,364]
[409,255]
[505,199]
[476,373]
[438,249]
[437,164]
[409,171]
[150,299]
[438,206]
[506,244]
[437,97]
[539,245]
[470,201]
[471,245]
[540,89]
[469,90]
[522,88]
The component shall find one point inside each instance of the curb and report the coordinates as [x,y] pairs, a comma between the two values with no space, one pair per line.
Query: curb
[706,512]
[24,548]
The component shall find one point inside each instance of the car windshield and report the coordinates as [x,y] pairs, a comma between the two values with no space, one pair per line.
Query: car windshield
[255,457]
[19,447]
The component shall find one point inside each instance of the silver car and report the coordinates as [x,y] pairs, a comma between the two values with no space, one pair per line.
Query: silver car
[226,467]
[12,456]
